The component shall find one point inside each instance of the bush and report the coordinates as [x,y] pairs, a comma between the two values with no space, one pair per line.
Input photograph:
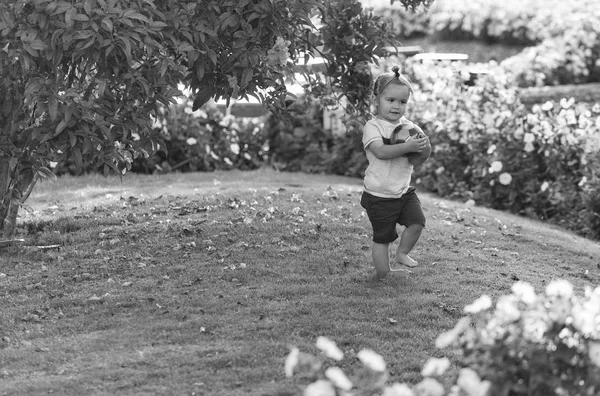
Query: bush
[571,58]
[489,148]
[206,140]
[529,345]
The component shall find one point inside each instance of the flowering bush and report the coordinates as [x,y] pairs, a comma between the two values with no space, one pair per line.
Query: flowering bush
[523,22]
[534,345]
[487,146]
[206,140]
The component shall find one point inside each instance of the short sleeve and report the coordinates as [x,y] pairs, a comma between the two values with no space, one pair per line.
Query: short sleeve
[371,133]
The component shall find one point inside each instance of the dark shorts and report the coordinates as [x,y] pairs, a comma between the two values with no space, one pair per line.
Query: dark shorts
[385,213]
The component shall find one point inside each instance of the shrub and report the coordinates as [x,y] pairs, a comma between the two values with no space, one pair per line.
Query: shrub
[206,140]
[529,345]
[571,58]
[488,147]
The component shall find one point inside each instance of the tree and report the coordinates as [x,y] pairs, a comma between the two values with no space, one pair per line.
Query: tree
[85,79]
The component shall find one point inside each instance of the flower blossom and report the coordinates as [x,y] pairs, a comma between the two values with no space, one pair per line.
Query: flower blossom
[447,338]
[505,178]
[329,348]
[594,352]
[507,310]
[372,360]
[524,292]
[338,378]
[398,390]
[559,288]
[320,388]
[429,387]
[291,362]
[471,384]
[549,105]
[481,304]
[435,367]
[496,166]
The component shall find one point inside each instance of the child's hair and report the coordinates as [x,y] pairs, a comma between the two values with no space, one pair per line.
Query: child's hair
[386,79]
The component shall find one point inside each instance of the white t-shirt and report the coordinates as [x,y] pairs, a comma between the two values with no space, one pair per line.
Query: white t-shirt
[388,178]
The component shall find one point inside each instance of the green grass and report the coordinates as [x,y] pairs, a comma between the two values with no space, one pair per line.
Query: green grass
[200,283]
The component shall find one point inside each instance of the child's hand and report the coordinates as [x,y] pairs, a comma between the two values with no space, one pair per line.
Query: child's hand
[422,156]
[416,145]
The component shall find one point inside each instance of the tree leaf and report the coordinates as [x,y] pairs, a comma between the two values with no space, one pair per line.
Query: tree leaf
[202,97]
[246,77]
[53,107]
[38,45]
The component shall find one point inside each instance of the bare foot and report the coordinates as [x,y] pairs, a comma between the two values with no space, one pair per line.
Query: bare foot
[405,259]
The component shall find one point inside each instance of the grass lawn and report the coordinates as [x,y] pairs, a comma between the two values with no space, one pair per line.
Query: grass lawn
[200,283]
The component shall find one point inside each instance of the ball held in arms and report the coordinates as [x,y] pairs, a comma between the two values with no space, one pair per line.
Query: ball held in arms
[413,133]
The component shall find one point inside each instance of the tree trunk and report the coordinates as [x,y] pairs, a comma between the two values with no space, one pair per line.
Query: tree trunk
[4,189]
[16,183]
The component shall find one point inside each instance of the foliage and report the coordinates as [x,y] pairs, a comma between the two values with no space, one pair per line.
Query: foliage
[206,140]
[563,37]
[534,345]
[85,79]
[571,58]
[489,148]
[527,22]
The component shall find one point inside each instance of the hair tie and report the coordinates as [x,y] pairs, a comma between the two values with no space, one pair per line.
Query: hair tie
[396,71]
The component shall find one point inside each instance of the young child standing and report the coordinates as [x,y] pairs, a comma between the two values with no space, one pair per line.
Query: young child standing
[393,145]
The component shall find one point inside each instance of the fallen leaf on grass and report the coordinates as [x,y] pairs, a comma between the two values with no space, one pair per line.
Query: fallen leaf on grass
[94,299]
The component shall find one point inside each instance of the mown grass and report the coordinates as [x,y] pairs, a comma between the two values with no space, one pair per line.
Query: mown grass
[200,283]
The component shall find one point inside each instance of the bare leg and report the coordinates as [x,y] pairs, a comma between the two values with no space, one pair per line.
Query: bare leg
[408,240]
[381,259]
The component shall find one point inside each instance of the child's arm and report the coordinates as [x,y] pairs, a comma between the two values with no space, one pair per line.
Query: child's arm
[390,151]
[423,155]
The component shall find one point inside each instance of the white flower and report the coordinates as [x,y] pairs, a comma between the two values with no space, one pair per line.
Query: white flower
[435,367]
[529,137]
[560,310]
[544,186]
[449,337]
[481,304]
[429,387]
[191,141]
[320,388]
[529,147]
[594,352]
[329,348]
[291,362]
[566,103]
[586,318]
[535,325]
[549,105]
[491,149]
[471,384]
[559,288]
[582,181]
[507,310]
[372,360]
[338,378]
[524,292]
[398,390]
[496,167]
[505,178]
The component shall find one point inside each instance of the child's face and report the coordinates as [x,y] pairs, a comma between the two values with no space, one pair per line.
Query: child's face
[392,102]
